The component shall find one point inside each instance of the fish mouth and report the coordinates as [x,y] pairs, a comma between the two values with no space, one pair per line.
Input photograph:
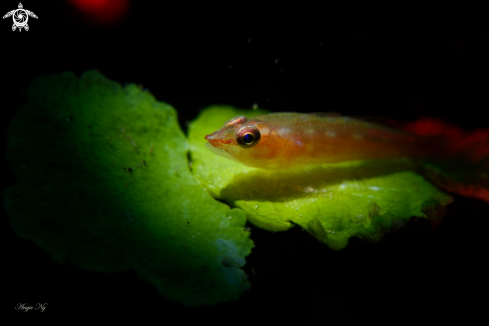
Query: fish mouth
[218,151]
[212,139]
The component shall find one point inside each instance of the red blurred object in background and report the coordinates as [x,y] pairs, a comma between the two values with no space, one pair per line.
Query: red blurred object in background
[474,145]
[101,12]
[429,126]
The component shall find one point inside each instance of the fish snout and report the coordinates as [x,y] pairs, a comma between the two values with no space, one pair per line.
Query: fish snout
[212,138]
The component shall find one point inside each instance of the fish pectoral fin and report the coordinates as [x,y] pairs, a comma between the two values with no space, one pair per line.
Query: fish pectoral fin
[318,176]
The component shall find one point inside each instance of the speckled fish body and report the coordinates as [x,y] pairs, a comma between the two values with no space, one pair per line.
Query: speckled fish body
[290,140]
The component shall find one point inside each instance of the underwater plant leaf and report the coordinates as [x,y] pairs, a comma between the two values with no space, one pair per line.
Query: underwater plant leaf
[333,202]
[103,183]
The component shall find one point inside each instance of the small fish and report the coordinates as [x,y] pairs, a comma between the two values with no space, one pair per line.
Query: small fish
[280,141]
[453,159]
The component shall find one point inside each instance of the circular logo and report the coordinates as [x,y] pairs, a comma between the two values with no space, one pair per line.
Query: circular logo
[20,18]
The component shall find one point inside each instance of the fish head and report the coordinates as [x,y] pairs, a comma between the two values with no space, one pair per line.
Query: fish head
[244,141]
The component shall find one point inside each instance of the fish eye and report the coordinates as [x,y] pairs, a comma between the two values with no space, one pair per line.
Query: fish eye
[248,136]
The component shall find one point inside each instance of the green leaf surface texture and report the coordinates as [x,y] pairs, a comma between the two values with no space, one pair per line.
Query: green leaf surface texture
[103,183]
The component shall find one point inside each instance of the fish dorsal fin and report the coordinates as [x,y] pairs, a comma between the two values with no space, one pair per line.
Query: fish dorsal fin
[326,114]
[380,121]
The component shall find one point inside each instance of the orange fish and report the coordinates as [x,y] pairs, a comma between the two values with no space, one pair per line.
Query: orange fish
[453,159]
[292,140]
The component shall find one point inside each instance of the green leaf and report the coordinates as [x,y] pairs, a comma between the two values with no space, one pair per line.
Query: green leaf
[332,202]
[104,184]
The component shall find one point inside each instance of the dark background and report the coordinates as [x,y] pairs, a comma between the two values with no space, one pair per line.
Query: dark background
[398,62]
